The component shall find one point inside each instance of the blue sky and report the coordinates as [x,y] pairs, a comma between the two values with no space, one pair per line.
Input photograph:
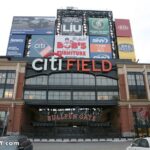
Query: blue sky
[137,11]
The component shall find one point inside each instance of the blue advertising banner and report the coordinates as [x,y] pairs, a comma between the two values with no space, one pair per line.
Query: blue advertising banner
[41,45]
[100,40]
[100,55]
[33,25]
[100,47]
[16,45]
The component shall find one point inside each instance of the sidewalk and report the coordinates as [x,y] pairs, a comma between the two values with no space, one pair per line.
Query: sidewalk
[80,140]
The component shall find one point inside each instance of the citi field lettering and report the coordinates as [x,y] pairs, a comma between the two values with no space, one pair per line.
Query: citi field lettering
[84,65]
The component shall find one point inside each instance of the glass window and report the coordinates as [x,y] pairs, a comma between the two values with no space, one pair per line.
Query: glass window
[11,78]
[39,80]
[71,79]
[107,95]
[7,79]
[60,79]
[143,143]
[104,81]
[136,143]
[1,93]
[140,79]
[135,79]
[59,95]
[2,118]
[83,79]
[137,93]
[81,95]
[2,77]
[36,95]
[136,85]
[8,93]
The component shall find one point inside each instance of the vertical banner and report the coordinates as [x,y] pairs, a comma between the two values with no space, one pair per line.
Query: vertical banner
[100,47]
[72,46]
[123,28]
[126,48]
[98,26]
[41,45]
[16,45]
[33,25]
[71,26]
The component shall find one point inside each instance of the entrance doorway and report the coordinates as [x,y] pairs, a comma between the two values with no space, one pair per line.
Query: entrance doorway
[75,122]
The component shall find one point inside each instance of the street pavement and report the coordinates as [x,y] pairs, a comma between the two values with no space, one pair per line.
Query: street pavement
[106,145]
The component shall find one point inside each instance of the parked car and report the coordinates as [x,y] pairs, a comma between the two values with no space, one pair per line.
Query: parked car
[140,144]
[15,143]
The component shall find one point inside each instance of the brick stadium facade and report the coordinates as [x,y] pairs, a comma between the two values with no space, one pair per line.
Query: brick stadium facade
[119,115]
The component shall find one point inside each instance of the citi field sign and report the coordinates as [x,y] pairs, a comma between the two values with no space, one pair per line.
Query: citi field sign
[82,65]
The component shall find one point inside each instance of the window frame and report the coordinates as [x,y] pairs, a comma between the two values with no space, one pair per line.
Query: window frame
[138,89]
[91,86]
[8,85]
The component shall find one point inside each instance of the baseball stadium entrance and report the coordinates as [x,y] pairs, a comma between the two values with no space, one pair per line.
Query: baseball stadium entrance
[73,122]
[70,102]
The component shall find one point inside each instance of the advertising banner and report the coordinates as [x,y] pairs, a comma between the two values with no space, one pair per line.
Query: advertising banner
[72,46]
[100,55]
[123,28]
[100,40]
[142,116]
[126,48]
[98,26]
[41,45]
[16,45]
[71,26]
[33,25]
[100,47]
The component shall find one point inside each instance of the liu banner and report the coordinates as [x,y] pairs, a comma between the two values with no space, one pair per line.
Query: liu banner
[71,26]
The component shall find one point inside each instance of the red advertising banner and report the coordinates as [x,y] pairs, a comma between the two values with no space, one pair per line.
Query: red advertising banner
[123,28]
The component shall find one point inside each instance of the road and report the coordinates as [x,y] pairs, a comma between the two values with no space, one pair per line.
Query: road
[82,146]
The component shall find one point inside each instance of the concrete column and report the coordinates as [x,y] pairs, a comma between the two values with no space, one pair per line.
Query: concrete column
[146,82]
[126,82]
[131,120]
[16,81]
[126,121]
